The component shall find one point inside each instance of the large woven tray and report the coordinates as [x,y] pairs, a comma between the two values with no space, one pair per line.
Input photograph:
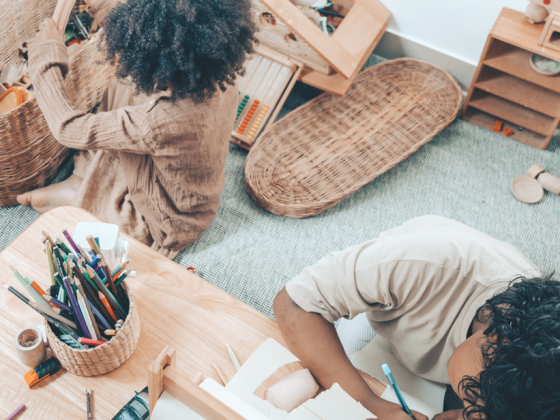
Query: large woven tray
[330,147]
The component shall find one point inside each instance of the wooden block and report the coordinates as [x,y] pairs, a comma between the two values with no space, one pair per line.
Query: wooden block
[507,132]
[498,126]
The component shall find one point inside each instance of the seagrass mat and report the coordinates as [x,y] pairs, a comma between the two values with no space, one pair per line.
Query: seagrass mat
[327,149]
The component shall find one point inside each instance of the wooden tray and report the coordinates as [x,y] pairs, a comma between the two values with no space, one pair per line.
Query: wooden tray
[330,147]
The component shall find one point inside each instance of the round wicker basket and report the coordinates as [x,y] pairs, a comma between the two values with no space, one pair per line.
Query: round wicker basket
[330,147]
[29,154]
[102,359]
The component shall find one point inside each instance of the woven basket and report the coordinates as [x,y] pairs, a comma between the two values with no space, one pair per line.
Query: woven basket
[330,147]
[105,358]
[29,154]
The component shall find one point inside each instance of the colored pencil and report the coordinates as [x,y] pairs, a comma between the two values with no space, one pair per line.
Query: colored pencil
[92,295]
[75,307]
[108,276]
[107,306]
[71,241]
[38,298]
[396,388]
[48,238]
[16,292]
[89,321]
[16,413]
[110,332]
[62,246]
[48,250]
[84,254]
[117,308]
[59,261]
[87,306]
[93,244]
[122,277]
[99,316]
[58,303]
[233,357]
[54,315]
[220,373]
[41,292]
[23,282]
[90,342]
[119,268]
[89,404]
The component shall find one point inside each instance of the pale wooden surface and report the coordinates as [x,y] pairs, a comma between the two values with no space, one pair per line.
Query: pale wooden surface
[504,88]
[176,308]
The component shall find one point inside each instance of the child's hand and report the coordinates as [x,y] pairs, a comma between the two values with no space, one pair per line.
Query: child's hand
[48,31]
[390,411]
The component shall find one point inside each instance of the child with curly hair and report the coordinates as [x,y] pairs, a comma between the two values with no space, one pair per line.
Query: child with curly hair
[152,158]
[457,306]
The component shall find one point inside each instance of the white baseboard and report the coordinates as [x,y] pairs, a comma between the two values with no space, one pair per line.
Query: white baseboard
[394,45]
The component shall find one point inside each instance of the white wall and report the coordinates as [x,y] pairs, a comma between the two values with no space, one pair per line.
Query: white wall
[450,33]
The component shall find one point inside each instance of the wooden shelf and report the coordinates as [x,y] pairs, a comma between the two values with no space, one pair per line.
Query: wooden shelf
[516,114]
[510,59]
[485,120]
[519,91]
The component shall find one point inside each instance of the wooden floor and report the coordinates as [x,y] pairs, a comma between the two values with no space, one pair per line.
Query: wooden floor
[176,308]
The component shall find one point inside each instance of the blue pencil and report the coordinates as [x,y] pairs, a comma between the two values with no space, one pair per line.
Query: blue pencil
[396,388]
[58,303]
[99,316]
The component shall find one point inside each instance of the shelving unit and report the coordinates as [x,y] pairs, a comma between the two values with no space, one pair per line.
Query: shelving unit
[505,87]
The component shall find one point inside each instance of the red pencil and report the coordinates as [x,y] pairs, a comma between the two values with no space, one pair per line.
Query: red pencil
[90,342]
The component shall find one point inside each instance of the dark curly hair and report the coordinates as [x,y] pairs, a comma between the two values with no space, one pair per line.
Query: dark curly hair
[521,376]
[192,47]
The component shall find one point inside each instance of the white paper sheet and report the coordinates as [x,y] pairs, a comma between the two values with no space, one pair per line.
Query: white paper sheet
[420,394]
[168,407]
[332,404]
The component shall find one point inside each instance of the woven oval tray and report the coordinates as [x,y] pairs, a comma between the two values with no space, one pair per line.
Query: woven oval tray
[330,147]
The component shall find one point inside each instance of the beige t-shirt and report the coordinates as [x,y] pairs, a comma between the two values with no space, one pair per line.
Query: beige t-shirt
[420,285]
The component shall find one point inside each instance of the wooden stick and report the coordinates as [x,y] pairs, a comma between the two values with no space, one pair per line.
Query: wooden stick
[61,14]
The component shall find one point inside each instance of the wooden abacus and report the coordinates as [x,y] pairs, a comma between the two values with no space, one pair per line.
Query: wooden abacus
[268,80]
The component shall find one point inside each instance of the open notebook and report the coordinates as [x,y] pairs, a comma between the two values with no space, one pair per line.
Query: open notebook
[421,395]
[239,394]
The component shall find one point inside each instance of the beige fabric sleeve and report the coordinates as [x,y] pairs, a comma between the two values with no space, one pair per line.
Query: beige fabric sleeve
[126,129]
[100,9]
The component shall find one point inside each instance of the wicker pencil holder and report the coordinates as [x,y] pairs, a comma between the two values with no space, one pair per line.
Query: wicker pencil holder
[30,156]
[101,359]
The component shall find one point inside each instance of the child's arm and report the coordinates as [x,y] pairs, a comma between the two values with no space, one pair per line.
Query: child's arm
[315,342]
[126,129]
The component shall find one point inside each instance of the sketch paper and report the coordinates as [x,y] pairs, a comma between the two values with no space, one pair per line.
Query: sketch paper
[231,400]
[168,407]
[428,395]
[332,404]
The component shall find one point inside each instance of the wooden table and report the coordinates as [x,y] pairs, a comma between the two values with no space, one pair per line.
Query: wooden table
[176,308]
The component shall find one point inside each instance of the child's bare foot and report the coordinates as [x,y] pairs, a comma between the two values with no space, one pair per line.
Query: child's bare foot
[56,195]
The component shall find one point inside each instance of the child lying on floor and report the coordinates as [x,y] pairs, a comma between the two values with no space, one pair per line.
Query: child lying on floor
[442,294]
[153,156]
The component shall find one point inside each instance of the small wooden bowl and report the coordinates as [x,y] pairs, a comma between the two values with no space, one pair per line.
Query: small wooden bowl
[536,57]
[527,189]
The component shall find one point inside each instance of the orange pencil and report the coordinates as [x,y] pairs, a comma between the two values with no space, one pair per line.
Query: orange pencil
[107,306]
[41,291]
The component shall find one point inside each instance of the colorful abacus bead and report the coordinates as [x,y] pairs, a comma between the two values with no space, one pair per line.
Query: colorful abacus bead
[257,122]
[248,117]
[242,106]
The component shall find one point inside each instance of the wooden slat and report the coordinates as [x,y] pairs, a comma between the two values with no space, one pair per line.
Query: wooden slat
[515,61]
[513,28]
[485,120]
[513,113]
[519,91]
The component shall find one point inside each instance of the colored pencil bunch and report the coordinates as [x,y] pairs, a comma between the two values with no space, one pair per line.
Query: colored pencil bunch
[86,303]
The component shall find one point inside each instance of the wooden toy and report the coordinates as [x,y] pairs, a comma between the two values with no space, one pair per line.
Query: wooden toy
[535,13]
[498,126]
[331,62]
[263,90]
[507,132]
[548,182]
[505,87]
[527,189]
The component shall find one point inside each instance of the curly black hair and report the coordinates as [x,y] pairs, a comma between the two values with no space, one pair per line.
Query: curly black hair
[193,47]
[521,376]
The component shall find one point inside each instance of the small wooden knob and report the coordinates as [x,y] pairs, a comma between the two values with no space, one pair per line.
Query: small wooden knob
[549,183]
[535,170]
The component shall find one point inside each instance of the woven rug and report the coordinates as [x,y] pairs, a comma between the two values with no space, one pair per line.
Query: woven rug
[463,174]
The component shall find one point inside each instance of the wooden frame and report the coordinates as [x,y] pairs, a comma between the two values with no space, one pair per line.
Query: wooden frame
[345,51]
[163,376]
[276,103]
[506,88]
